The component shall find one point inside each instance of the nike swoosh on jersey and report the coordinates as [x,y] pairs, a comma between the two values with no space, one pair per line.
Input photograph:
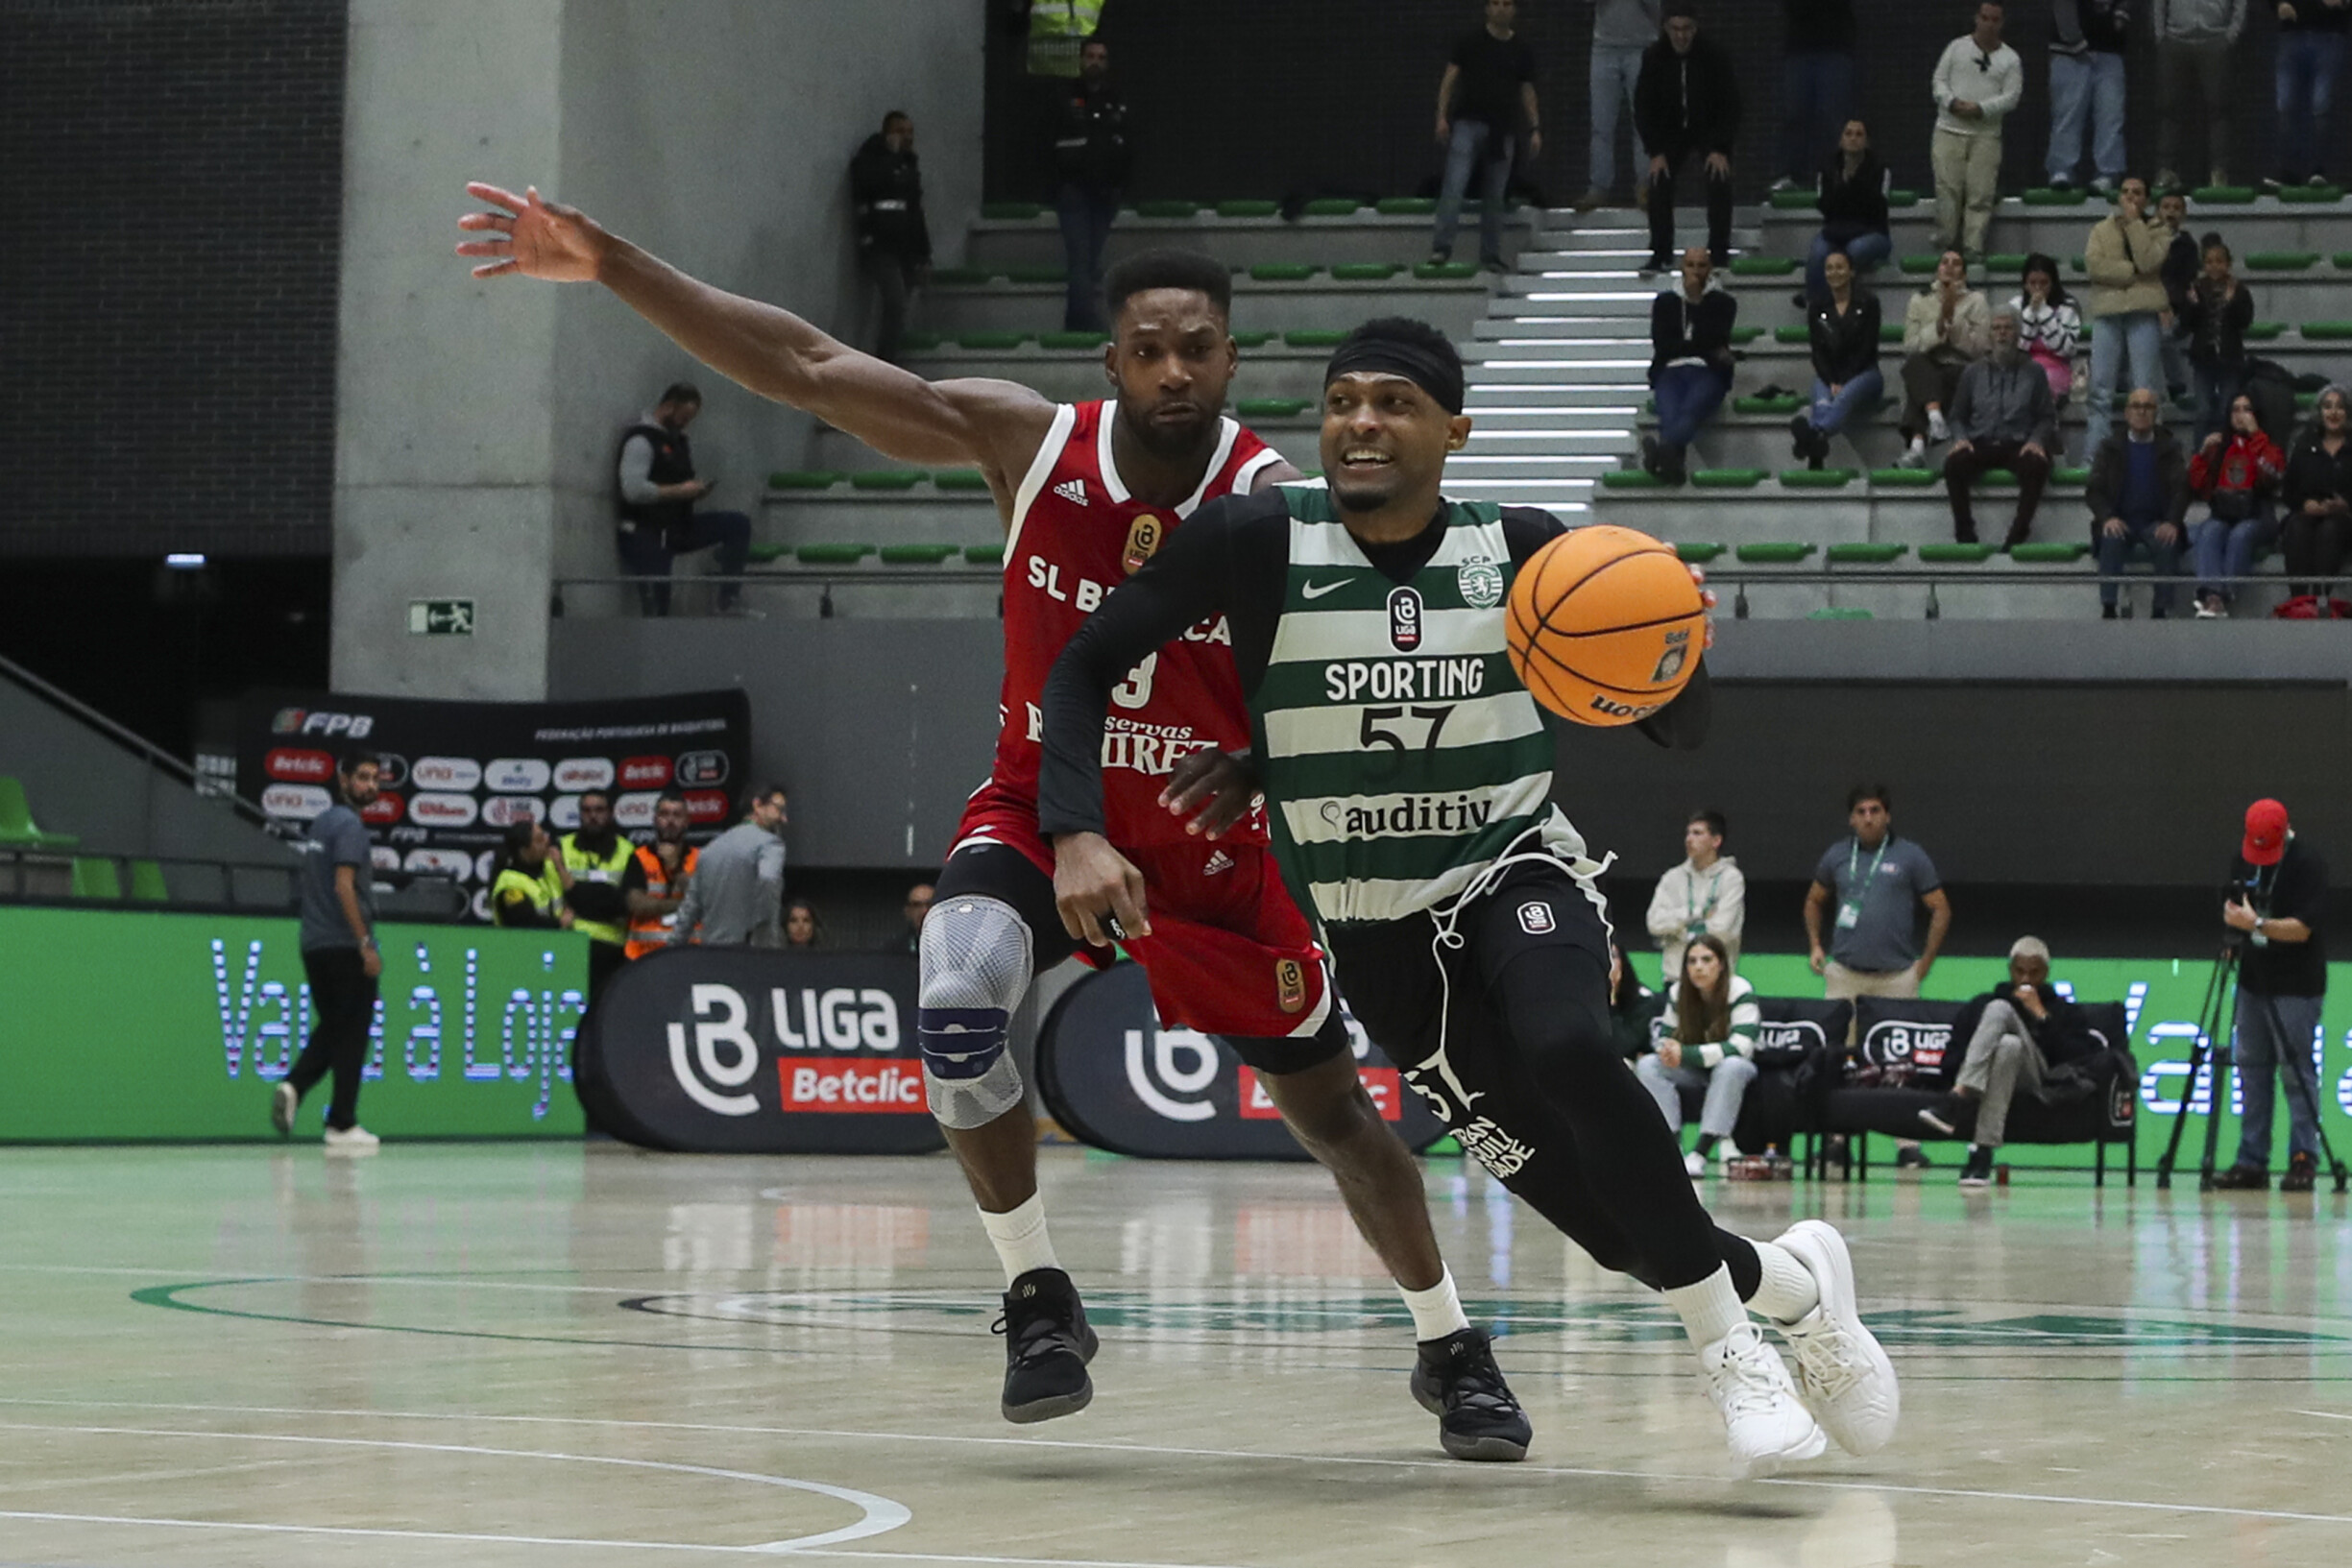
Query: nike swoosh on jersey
[1315,591]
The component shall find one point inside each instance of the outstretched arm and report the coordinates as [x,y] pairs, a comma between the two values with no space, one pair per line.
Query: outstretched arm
[995,424]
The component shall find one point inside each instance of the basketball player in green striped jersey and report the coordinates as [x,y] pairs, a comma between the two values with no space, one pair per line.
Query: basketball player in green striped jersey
[1409,778]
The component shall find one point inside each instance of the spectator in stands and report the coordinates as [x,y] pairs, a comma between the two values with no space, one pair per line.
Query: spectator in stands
[802,928]
[1690,362]
[658,493]
[1851,191]
[1707,893]
[1843,328]
[2193,41]
[531,885]
[1632,1006]
[2279,911]
[1686,106]
[914,911]
[337,881]
[2002,417]
[2316,532]
[2088,40]
[2139,496]
[2008,1038]
[599,859]
[735,898]
[2124,257]
[885,195]
[2183,259]
[1816,81]
[1091,156]
[1978,80]
[1945,328]
[1877,880]
[1622,31]
[2311,52]
[1712,1019]
[655,882]
[1490,82]
[2215,310]
[2236,476]
[2048,324]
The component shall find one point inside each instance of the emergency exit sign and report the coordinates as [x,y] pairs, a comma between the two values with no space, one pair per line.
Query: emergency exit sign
[440,617]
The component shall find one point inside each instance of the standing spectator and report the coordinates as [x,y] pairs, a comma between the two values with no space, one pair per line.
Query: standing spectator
[598,859]
[2311,51]
[1945,328]
[2002,417]
[1621,30]
[2316,532]
[2278,910]
[1816,81]
[2183,259]
[1690,362]
[885,194]
[1978,80]
[1850,192]
[339,958]
[2214,311]
[914,911]
[2087,42]
[1686,106]
[735,898]
[2048,324]
[802,928]
[1706,894]
[658,493]
[1490,82]
[1877,880]
[2194,40]
[2139,496]
[655,882]
[2124,257]
[1842,326]
[2236,477]
[2007,1038]
[530,889]
[1713,1019]
[1091,156]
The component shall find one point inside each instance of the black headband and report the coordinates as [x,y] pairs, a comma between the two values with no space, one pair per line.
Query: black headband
[1438,374]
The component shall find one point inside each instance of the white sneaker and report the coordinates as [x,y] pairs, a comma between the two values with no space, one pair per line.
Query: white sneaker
[1726,1151]
[1914,456]
[284,1103]
[1769,1425]
[351,1140]
[1937,430]
[1842,1374]
[1695,1163]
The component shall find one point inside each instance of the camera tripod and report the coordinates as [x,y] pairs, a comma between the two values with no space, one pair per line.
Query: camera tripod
[2216,1040]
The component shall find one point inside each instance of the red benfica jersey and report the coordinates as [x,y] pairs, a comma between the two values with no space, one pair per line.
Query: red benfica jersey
[1077,534]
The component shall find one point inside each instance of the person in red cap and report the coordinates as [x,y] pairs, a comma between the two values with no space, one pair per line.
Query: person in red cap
[2278,897]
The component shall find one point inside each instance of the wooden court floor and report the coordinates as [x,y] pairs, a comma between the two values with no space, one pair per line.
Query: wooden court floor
[553,1355]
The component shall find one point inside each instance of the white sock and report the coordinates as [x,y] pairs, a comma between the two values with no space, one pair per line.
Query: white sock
[1437,1311]
[1788,1290]
[1711,1308]
[1020,1237]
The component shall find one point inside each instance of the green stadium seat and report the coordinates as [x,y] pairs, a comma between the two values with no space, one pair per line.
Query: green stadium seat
[2311,195]
[1319,337]
[1248,209]
[888,479]
[1367,272]
[991,341]
[1818,478]
[1065,342]
[96,876]
[1333,207]
[764,553]
[1763,266]
[1283,271]
[915,555]
[1728,479]
[1631,479]
[805,479]
[147,883]
[1793,200]
[1774,554]
[16,827]
[2306,401]
[2045,196]
[2344,260]
[2006,264]
[959,480]
[920,343]
[1169,209]
[1253,340]
[1903,478]
[2281,261]
[962,277]
[1272,408]
[1918,264]
[1857,553]
[1890,332]
[1406,207]
[1010,213]
[2051,553]
[1796,332]
[832,555]
[2327,332]
[1439,272]
[2264,331]
[1055,276]
[1746,334]
[2078,264]
[1902,198]
[2224,194]
[1696,553]
[1838,612]
[1948,554]
[985,555]
[2066,475]
[1767,405]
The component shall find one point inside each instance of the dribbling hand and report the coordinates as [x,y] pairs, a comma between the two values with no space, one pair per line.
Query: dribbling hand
[1099,892]
[537,238]
[1214,789]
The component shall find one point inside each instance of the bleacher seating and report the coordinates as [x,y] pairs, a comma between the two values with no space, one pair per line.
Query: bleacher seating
[17,828]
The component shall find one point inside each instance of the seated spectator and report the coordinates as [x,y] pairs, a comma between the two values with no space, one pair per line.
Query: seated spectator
[1944,329]
[2235,478]
[914,910]
[1690,362]
[2124,257]
[1708,893]
[1712,1022]
[2002,417]
[1632,1006]
[885,194]
[658,493]
[2214,311]
[2048,324]
[529,886]
[2014,1033]
[2318,528]
[1850,192]
[801,927]
[2139,494]
[1843,323]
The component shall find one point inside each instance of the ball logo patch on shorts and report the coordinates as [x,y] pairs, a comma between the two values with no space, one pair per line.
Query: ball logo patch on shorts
[1535,918]
[1143,539]
[1290,984]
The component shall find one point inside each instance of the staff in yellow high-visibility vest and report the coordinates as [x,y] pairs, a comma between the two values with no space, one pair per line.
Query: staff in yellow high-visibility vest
[598,858]
[1056,29]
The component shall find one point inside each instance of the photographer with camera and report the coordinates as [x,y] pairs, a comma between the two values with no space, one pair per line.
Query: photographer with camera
[2277,897]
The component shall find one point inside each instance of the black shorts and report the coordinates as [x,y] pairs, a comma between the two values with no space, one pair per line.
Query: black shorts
[1002,873]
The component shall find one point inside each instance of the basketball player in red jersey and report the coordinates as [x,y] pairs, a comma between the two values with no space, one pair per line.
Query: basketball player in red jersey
[1088,493]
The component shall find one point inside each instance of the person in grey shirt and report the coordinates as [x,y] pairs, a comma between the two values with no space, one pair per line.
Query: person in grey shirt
[1621,30]
[1875,881]
[2002,417]
[735,896]
[339,957]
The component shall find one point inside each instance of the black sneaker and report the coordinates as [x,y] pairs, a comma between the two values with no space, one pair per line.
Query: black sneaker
[2302,1173]
[1456,1381]
[1655,265]
[1047,1347]
[1911,1157]
[2244,1178]
[1978,1171]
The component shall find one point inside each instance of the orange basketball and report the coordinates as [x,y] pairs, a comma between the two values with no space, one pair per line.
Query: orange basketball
[1605,625]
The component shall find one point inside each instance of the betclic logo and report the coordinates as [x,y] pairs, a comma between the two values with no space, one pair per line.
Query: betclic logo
[299,765]
[707,804]
[446,773]
[304,721]
[574,774]
[716,1059]
[852,1085]
[383,810]
[645,772]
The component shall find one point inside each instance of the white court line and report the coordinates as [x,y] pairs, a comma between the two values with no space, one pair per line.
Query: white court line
[1891,1488]
[2326,1415]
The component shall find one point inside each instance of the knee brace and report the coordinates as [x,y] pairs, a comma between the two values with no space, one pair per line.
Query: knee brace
[975,955]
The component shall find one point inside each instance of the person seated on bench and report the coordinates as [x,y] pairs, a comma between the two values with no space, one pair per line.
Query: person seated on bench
[1632,1006]
[1713,1019]
[2002,418]
[2139,496]
[1690,363]
[1843,326]
[2238,477]
[2014,1033]
[1945,329]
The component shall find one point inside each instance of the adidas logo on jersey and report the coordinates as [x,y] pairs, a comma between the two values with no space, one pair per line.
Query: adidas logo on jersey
[1072,489]
[1218,861]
